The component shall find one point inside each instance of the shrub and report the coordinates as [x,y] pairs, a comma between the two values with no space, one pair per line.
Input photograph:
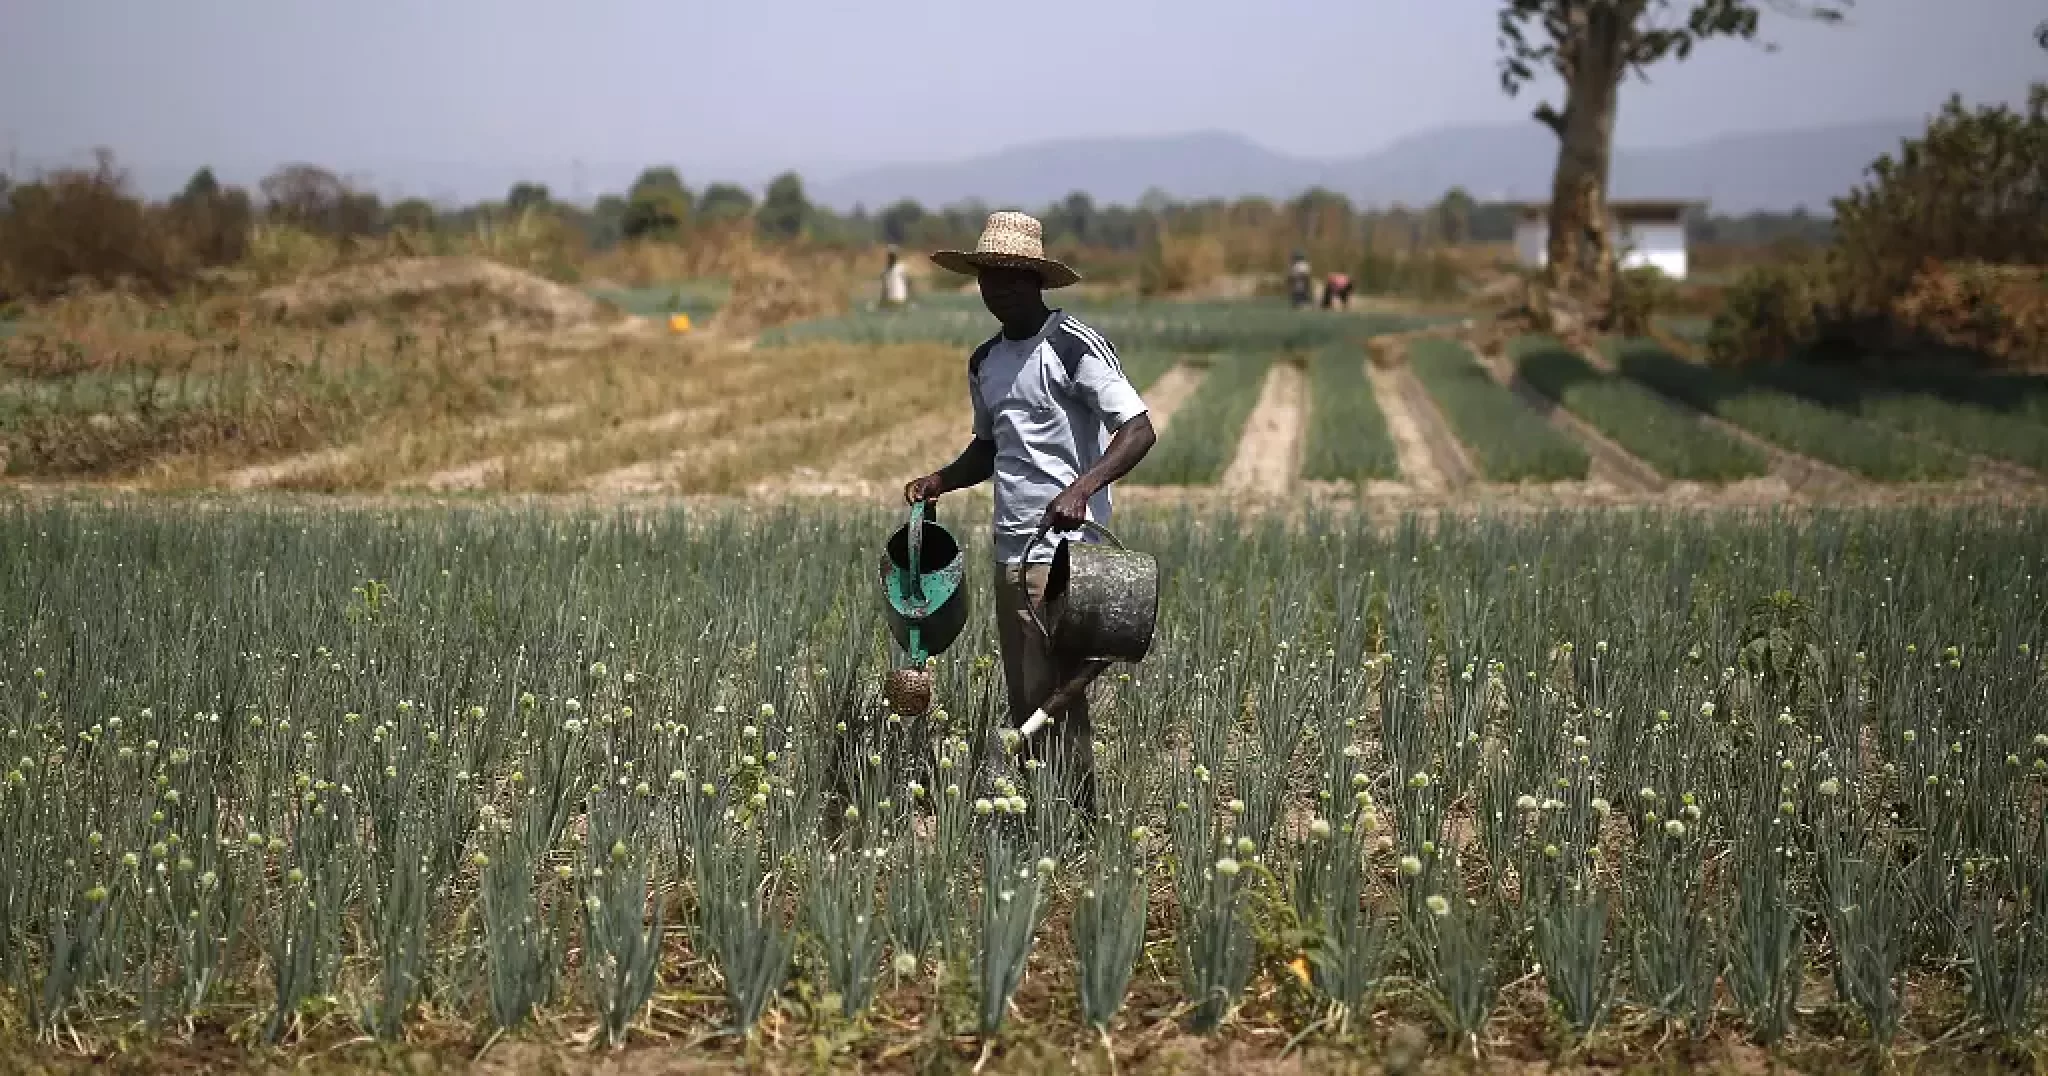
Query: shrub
[1998,312]
[82,225]
[1974,187]
[1771,313]
[211,221]
[1640,294]
[313,199]
[1434,275]
[278,252]
[1176,265]
[1917,254]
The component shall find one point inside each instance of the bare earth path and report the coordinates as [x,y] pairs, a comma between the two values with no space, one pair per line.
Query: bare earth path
[1269,451]
[280,472]
[1430,458]
[484,473]
[1173,389]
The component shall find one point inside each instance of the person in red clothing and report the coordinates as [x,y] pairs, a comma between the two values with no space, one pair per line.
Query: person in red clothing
[1337,291]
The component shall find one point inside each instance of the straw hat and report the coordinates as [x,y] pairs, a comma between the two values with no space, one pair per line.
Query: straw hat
[1009,241]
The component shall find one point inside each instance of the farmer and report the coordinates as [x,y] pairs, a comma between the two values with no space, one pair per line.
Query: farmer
[1055,423]
[1300,280]
[1337,291]
[895,285]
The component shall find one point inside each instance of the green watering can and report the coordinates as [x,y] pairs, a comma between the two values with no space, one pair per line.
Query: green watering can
[924,599]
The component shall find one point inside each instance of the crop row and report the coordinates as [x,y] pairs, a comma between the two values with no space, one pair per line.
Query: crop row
[1347,438]
[1509,441]
[1133,328]
[316,772]
[1966,426]
[1198,445]
[2015,395]
[1144,368]
[1787,420]
[1667,438]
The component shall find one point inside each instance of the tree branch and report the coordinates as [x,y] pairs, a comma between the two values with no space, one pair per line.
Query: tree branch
[1551,118]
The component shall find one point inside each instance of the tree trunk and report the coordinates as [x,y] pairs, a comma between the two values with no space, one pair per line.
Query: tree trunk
[1581,256]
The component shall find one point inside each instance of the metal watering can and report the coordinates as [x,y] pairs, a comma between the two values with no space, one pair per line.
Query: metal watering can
[1100,606]
[924,600]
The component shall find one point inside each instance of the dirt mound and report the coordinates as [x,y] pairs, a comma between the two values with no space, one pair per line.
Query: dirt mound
[453,288]
[767,292]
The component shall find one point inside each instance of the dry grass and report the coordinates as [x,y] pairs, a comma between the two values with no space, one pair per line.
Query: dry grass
[464,290]
[128,397]
[812,403]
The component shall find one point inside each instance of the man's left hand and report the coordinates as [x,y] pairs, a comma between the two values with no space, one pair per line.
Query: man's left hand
[1068,510]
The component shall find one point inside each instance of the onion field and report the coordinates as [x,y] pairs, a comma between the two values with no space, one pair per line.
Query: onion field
[289,781]
[1508,441]
[1347,433]
[1198,444]
[1132,327]
[2014,439]
[1650,427]
[1871,450]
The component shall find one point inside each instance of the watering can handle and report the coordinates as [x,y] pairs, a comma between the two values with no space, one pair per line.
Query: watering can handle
[919,511]
[1044,528]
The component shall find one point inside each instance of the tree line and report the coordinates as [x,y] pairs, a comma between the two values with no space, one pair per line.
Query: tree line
[86,224]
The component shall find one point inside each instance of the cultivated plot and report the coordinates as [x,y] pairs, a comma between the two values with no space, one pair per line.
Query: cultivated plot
[318,776]
[1509,441]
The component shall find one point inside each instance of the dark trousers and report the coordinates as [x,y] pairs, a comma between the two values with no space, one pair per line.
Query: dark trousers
[1032,672]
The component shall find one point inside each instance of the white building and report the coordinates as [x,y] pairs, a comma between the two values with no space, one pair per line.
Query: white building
[1646,234]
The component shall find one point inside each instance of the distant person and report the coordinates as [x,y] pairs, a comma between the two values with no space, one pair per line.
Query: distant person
[895,282]
[1337,291]
[1055,424]
[1300,280]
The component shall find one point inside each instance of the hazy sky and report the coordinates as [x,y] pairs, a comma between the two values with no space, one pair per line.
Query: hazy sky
[426,96]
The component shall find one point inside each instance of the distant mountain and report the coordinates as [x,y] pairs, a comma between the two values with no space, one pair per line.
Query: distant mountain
[1112,170]
[1737,173]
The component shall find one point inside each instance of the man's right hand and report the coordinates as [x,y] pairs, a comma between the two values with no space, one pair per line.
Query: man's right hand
[923,489]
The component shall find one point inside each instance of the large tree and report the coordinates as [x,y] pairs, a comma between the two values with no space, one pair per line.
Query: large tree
[898,222]
[785,212]
[1591,45]
[1453,216]
[524,196]
[724,202]
[657,206]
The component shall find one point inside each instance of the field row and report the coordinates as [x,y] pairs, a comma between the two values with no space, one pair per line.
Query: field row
[1265,326]
[1679,420]
[1259,398]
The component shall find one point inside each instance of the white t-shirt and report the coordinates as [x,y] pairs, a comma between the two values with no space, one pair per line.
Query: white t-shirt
[895,284]
[1050,404]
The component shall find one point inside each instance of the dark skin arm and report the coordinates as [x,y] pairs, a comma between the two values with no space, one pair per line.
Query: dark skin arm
[1126,447]
[976,464]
